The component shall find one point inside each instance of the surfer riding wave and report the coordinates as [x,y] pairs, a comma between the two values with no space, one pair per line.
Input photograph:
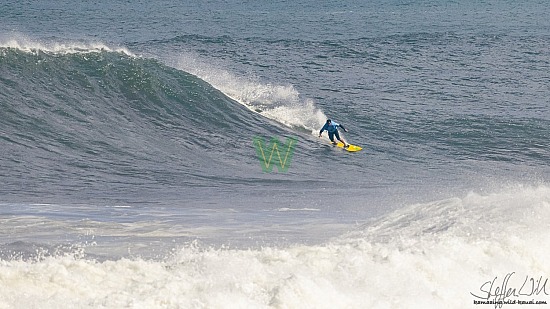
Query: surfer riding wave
[332,129]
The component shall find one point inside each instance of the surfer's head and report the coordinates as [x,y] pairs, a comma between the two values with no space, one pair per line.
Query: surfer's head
[329,121]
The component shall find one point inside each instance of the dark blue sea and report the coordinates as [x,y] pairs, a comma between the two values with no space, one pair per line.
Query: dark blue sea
[129,176]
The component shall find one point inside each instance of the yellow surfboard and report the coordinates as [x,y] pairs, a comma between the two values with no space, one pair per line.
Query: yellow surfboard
[350,147]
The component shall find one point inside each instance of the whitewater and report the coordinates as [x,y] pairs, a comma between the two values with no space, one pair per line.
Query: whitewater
[424,256]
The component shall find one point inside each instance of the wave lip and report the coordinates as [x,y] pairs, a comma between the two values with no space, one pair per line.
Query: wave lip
[61,48]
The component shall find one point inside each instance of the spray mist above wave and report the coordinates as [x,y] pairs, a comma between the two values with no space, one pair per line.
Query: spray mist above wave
[281,103]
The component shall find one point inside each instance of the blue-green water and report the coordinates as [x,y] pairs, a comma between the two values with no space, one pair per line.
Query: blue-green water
[126,130]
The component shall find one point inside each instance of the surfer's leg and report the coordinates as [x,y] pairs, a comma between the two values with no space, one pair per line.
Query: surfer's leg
[338,137]
[331,136]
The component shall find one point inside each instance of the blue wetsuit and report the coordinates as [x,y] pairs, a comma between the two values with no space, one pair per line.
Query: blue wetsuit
[332,130]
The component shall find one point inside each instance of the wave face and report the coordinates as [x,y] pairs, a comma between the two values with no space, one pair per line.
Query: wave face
[78,118]
[82,118]
[431,255]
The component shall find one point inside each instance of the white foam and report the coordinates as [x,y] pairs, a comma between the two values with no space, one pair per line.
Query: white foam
[298,209]
[423,256]
[26,44]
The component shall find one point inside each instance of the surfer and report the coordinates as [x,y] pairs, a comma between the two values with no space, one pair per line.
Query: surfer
[332,129]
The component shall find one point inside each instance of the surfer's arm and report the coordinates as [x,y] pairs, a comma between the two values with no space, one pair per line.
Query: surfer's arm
[322,129]
[341,126]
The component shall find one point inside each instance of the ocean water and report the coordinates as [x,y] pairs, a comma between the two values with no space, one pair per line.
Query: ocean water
[129,177]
